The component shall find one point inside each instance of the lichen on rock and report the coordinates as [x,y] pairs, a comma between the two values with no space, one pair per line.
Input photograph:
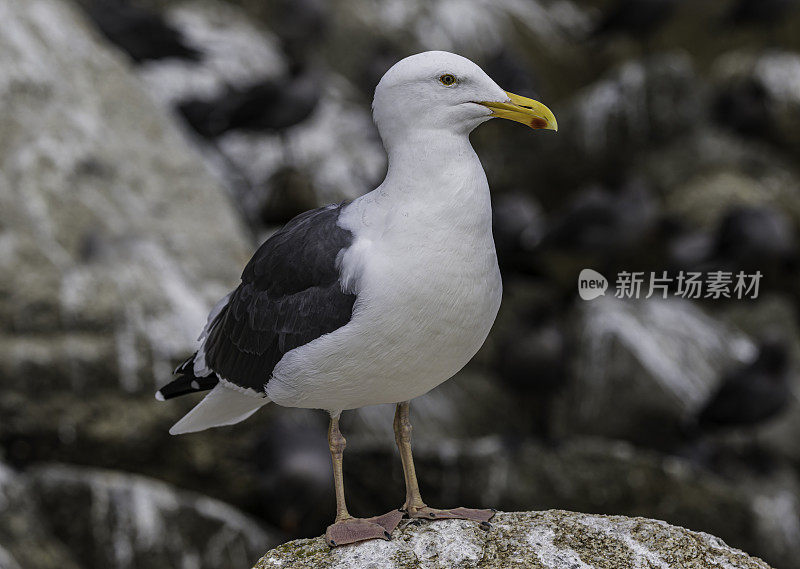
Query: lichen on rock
[542,540]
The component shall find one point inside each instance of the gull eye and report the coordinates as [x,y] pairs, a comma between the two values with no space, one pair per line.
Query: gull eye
[447,79]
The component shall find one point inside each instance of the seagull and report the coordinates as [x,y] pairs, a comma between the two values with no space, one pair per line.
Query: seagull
[375,301]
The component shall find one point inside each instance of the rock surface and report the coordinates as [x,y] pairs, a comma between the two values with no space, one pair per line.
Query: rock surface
[127,521]
[553,539]
[114,238]
[336,149]
[668,371]
[64,516]
[24,540]
[758,95]
[115,241]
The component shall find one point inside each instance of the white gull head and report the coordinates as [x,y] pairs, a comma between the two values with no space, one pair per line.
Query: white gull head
[441,91]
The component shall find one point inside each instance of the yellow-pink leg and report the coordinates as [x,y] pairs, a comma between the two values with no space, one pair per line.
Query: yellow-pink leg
[414,506]
[347,529]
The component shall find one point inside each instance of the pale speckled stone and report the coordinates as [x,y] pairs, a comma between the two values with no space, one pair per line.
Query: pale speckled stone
[538,540]
[115,239]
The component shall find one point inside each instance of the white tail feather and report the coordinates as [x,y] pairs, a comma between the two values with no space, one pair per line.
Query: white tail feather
[222,406]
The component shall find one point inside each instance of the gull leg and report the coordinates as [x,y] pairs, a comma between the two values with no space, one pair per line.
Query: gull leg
[414,506]
[402,436]
[346,528]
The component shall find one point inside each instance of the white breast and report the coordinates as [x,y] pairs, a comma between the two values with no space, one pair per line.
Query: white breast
[428,285]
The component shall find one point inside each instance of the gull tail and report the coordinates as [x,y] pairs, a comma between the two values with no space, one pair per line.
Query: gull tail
[222,406]
[187,381]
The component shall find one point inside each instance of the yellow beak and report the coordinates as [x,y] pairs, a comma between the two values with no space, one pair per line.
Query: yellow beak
[524,110]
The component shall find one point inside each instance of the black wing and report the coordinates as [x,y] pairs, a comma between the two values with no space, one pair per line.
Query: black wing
[290,294]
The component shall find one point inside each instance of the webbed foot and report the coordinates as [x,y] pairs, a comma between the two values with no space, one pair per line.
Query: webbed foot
[477,515]
[352,530]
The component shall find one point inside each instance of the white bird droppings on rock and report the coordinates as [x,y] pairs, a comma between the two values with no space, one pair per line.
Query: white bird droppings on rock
[536,540]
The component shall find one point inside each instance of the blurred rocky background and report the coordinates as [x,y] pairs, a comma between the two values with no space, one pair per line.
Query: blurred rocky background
[148,146]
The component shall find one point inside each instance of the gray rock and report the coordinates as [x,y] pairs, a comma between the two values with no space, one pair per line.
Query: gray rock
[705,174]
[124,433]
[604,126]
[110,519]
[758,94]
[773,314]
[473,29]
[25,541]
[336,148]
[643,366]
[65,517]
[552,539]
[235,50]
[115,238]
[639,101]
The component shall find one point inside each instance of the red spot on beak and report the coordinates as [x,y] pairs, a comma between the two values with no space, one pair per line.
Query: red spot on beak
[537,122]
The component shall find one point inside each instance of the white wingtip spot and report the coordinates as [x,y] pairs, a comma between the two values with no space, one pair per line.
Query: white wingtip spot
[195,385]
[159,396]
